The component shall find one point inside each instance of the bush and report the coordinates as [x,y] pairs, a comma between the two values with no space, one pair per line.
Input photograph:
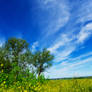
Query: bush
[21,80]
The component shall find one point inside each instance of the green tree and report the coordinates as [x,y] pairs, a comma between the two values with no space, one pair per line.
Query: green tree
[17,54]
[16,47]
[5,63]
[42,60]
[25,59]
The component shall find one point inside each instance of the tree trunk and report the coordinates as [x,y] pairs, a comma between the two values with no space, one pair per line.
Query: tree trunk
[39,73]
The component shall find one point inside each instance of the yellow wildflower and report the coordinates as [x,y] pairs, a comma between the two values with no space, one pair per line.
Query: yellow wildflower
[2,65]
[4,82]
[25,90]
[19,87]
[2,71]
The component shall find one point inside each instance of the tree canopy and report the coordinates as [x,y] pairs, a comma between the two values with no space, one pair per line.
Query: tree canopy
[42,60]
[17,52]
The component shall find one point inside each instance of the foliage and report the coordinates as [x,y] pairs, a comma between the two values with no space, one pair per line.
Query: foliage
[5,64]
[15,59]
[16,48]
[71,85]
[15,62]
[42,60]
[22,81]
[27,85]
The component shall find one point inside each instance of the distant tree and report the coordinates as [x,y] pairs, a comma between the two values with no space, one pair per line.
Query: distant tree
[42,60]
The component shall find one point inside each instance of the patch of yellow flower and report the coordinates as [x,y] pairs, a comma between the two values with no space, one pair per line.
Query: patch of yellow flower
[2,65]
[25,90]
[2,71]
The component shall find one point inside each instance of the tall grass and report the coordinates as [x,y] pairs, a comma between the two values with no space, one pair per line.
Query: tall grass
[68,85]
[72,85]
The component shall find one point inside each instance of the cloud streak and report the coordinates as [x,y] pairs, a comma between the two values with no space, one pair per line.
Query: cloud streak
[58,15]
[85,33]
[70,41]
[66,66]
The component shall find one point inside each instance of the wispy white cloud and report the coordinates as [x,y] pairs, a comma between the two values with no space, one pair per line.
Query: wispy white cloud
[85,11]
[85,33]
[60,41]
[58,15]
[81,57]
[66,45]
[69,41]
[34,46]
[64,55]
[67,66]
[76,64]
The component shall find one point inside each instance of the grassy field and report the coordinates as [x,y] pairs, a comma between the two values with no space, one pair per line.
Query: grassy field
[70,85]
[64,85]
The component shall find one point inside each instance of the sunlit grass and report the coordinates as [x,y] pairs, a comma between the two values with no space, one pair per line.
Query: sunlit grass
[70,85]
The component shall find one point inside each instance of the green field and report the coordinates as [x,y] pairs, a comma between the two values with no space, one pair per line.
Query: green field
[64,85]
[70,85]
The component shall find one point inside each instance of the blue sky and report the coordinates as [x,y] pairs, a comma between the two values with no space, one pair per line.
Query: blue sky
[62,26]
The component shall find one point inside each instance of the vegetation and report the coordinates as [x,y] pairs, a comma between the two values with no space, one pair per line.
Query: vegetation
[73,85]
[42,60]
[21,71]
[68,85]
[15,62]
[64,85]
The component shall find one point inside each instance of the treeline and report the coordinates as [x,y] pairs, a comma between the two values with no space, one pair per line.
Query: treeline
[18,62]
[70,78]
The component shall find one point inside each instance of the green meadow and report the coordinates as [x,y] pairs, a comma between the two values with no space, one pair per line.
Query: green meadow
[68,85]
[64,85]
